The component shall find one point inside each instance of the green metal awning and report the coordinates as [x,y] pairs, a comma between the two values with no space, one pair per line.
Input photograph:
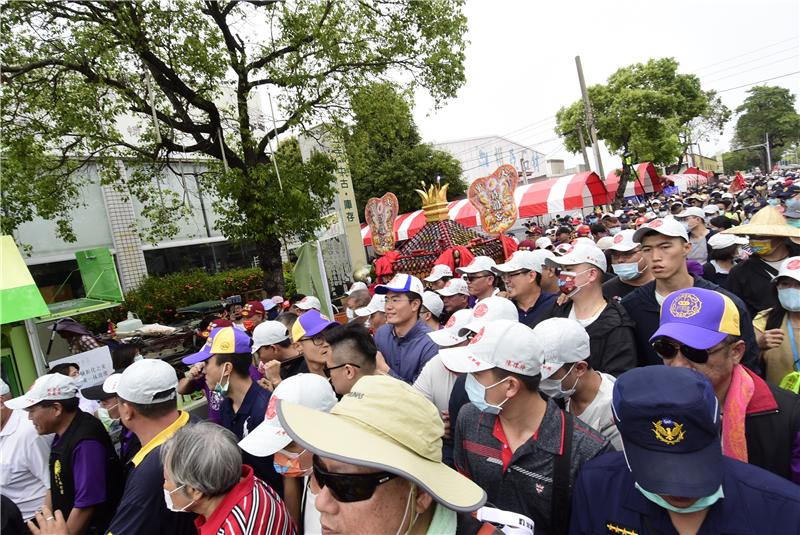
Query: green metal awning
[20,299]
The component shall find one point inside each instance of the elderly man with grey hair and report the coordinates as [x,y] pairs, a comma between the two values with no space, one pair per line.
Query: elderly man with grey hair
[204,474]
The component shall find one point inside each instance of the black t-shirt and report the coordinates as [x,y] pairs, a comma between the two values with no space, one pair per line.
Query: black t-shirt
[616,289]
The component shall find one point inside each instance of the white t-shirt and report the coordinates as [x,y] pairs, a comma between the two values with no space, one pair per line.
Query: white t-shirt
[24,463]
[599,415]
[776,264]
[436,382]
[660,298]
[312,522]
[588,321]
[718,268]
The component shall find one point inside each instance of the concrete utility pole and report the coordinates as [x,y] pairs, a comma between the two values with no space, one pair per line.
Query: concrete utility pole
[590,119]
[769,156]
[583,147]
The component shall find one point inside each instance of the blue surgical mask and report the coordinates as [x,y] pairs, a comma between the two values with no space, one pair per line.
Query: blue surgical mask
[626,272]
[790,299]
[614,230]
[477,395]
[774,202]
[699,505]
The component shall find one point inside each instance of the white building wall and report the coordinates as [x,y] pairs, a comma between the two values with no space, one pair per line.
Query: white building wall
[480,156]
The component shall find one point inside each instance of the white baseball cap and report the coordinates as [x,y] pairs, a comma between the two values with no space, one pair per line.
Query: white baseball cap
[562,249]
[307,389]
[268,304]
[433,303]
[478,264]
[449,335]
[789,268]
[146,382]
[562,340]
[692,210]
[309,302]
[582,253]
[505,344]
[544,242]
[401,283]
[439,271]
[453,287]
[605,242]
[268,333]
[358,285]
[50,387]
[518,260]
[490,309]
[666,226]
[721,241]
[623,241]
[376,304]
[4,389]
[711,209]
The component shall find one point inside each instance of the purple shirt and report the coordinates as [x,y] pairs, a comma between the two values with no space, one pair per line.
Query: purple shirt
[406,355]
[88,472]
[200,384]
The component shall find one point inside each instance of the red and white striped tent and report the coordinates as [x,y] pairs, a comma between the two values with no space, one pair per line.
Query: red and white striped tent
[648,182]
[552,196]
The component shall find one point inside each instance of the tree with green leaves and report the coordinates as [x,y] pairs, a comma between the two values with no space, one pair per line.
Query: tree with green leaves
[767,110]
[183,76]
[385,153]
[640,114]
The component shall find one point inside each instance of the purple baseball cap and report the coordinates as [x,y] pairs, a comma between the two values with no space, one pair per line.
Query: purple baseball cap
[698,318]
[310,323]
[221,341]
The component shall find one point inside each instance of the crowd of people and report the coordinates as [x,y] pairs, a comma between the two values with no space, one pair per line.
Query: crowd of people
[626,372]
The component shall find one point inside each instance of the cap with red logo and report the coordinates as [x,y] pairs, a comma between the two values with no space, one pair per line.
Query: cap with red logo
[790,268]
[439,271]
[309,302]
[623,241]
[307,389]
[489,309]
[51,387]
[667,226]
[582,253]
[253,307]
[453,287]
[505,344]
[449,335]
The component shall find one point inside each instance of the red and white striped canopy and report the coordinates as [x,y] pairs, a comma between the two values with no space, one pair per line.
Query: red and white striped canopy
[649,181]
[552,196]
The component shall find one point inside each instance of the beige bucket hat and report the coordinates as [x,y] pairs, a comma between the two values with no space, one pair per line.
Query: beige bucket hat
[384,423]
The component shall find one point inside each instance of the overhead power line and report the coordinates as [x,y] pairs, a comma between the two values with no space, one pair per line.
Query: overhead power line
[759,81]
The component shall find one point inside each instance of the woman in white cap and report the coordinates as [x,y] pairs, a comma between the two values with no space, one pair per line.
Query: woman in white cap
[291,460]
[778,329]
[722,256]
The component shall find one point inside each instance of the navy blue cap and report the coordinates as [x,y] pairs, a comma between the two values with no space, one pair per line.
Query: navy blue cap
[669,422]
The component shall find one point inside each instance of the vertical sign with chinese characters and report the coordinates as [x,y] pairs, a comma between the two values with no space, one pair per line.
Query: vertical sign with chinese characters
[322,139]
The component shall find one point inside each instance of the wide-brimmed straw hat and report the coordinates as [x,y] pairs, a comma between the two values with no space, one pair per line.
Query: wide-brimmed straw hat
[384,423]
[766,222]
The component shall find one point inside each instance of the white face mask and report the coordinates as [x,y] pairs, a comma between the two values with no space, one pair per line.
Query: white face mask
[171,506]
[350,314]
[554,387]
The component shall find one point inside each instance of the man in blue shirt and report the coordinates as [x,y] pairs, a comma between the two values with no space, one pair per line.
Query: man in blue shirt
[672,476]
[242,402]
[403,341]
[522,275]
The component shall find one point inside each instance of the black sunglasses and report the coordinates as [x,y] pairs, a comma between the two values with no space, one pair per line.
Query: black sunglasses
[667,349]
[317,339]
[348,488]
[327,370]
[471,278]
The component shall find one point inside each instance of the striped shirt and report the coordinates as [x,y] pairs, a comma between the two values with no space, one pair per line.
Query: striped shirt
[249,508]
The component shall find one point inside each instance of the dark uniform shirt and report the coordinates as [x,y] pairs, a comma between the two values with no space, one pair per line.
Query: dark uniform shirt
[250,414]
[616,289]
[533,315]
[521,481]
[142,508]
[756,501]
